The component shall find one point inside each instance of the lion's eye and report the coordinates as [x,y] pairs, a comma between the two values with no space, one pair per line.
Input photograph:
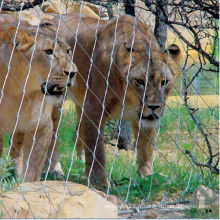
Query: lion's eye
[164,82]
[69,51]
[49,51]
[140,82]
[129,49]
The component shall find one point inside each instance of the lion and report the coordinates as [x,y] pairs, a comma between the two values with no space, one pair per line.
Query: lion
[66,7]
[30,66]
[122,75]
[34,15]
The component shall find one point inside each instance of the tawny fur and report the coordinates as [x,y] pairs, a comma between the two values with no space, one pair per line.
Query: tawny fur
[28,145]
[147,72]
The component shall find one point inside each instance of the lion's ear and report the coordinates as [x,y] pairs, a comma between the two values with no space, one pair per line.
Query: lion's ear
[173,52]
[173,58]
[48,25]
[23,40]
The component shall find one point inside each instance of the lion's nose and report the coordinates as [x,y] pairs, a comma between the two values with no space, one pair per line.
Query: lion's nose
[153,107]
[71,74]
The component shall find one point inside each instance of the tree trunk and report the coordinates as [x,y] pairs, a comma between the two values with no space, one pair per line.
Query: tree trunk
[129,7]
[125,135]
[160,30]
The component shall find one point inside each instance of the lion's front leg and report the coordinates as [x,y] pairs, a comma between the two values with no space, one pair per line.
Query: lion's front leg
[53,161]
[34,156]
[79,145]
[94,147]
[145,148]
[16,153]
[54,164]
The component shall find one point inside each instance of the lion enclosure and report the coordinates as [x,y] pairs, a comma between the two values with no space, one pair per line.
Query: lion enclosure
[109,109]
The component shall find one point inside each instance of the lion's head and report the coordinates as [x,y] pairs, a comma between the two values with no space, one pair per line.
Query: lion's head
[45,59]
[149,72]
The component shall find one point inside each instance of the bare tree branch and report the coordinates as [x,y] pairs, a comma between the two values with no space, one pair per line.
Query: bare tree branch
[180,13]
[191,112]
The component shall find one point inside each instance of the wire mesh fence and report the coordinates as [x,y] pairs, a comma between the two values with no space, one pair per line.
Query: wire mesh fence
[120,96]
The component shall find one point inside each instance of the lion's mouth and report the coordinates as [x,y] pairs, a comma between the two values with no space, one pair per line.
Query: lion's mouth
[149,117]
[52,89]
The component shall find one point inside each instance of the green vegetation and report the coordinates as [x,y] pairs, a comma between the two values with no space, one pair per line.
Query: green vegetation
[202,213]
[173,171]
[8,180]
[174,116]
[174,174]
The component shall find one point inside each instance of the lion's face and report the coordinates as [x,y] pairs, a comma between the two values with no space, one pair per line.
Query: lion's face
[150,74]
[48,61]
[55,59]
[149,84]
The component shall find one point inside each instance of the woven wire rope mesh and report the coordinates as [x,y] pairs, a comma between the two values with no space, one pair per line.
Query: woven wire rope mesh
[182,143]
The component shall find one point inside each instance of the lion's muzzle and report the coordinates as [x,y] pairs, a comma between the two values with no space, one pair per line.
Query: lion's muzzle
[52,89]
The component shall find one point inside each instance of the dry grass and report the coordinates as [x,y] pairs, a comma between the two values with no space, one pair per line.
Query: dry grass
[200,101]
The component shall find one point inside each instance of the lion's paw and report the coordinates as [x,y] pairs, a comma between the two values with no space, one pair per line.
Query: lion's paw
[99,182]
[145,171]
